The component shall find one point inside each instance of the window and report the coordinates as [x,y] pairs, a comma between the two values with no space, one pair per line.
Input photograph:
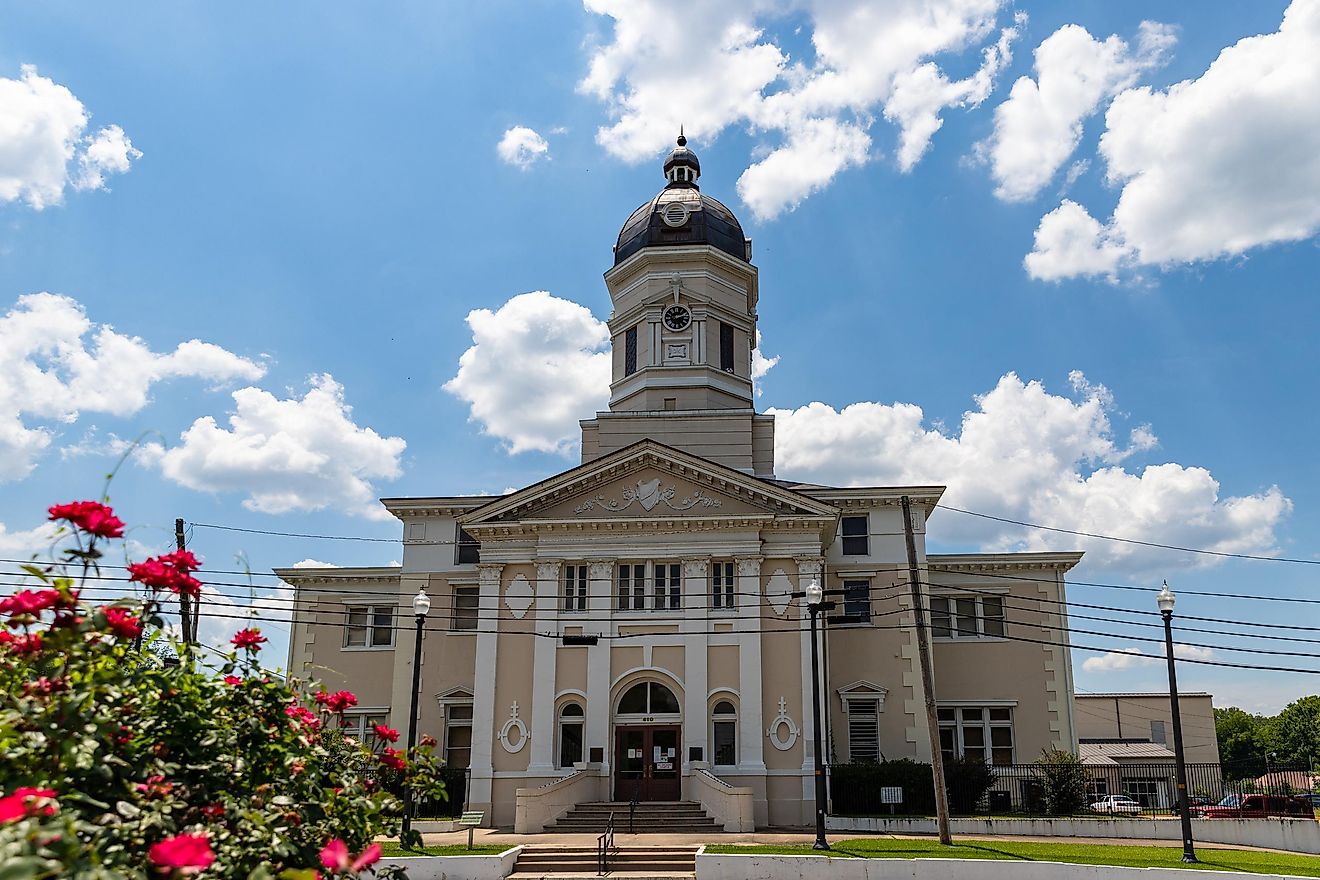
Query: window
[573,595]
[857,600]
[722,592]
[666,581]
[361,726]
[977,732]
[630,351]
[1157,734]
[467,548]
[965,617]
[458,735]
[648,698]
[369,626]
[863,730]
[856,535]
[671,404]
[724,734]
[570,735]
[726,347]
[467,601]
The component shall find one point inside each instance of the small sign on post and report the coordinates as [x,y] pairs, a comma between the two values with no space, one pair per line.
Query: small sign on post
[892,795]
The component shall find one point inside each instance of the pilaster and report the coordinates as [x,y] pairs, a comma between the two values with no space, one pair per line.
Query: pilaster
[696,580]
[544,651]
[600,601]
[810,569]
[751,743]
[483,686]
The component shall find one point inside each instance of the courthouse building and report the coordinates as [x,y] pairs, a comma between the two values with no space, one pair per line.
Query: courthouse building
[628,628]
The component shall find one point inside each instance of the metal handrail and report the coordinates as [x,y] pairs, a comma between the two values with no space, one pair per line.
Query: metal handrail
[604,846]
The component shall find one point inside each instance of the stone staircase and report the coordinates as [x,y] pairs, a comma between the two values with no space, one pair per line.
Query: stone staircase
[659,817]
[626,863]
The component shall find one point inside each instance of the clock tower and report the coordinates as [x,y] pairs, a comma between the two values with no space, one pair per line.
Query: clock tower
[683,328]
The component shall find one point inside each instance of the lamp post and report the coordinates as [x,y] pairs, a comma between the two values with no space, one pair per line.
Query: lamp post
[421,604]
[1165,601]
[814,606]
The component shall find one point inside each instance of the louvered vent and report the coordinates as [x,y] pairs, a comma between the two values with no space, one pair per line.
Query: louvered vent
[675,214]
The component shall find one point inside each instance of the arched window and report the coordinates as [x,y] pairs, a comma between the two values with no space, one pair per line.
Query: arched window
[724,734]
[648,698]
[571,720]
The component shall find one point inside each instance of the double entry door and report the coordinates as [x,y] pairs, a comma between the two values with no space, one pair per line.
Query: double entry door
[647,763]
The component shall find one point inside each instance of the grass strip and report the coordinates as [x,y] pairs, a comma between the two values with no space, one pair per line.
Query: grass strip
[390,848]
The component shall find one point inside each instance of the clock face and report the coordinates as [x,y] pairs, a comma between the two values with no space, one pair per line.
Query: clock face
[677,318]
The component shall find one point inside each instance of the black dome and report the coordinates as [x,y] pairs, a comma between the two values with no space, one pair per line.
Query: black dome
[681,214]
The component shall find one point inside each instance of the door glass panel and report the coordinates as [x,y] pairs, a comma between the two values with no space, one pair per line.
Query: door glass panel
[664,754]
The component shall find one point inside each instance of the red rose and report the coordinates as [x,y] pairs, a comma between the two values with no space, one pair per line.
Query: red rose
[214,811]
[123,623]
[248,639]
[233,679]
[335,857]
[189,853]
[306,716]
[91,517]
[21,644]
[27,802]
[392,758]
[170,571]
[386,733]
[29,602]
[340,701]
[155,786]
[322,697]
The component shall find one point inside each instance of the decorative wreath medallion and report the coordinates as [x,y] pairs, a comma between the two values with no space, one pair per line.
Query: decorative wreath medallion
[514,723]
[783,721]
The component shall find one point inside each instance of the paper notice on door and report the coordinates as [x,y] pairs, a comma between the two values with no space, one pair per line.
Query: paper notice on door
[656,758]
[664,765]
[634,753]
[670,754]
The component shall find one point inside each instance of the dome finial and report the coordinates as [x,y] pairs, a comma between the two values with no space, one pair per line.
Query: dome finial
[682,141]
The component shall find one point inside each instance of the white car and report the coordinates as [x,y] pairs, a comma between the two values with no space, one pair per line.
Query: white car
[1114,804]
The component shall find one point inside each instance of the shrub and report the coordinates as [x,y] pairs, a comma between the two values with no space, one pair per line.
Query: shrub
[855,788]
[1064,778]
[115,764]
[966,780]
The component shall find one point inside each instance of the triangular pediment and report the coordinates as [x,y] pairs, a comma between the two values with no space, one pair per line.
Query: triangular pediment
[647,480]
[861,689]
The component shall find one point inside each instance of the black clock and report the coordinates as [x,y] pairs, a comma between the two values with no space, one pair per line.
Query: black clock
[677,318]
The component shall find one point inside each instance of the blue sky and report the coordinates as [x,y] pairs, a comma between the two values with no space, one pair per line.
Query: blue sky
[317,190]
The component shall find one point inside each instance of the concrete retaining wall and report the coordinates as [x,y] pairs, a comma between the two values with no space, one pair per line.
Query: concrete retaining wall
[1294,835]
[455,867]
[765,867]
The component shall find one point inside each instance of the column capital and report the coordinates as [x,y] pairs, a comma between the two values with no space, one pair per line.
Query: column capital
[548,569]
[488,573]
[749,565]
[809,567]
[602,571]
[693,567]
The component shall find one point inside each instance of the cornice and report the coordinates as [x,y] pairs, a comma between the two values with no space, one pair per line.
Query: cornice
[677,254]
[505,530]
[440,505]
[927,497]
[974,562]
[385,574]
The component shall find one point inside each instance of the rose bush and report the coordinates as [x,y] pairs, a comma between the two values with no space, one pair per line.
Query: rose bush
[115,764]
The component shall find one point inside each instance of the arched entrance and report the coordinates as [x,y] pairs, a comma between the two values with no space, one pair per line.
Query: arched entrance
[648,736]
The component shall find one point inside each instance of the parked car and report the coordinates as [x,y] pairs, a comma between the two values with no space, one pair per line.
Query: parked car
[1257,806]
[1115,804]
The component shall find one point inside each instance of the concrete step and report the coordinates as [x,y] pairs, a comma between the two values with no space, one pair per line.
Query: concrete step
[613,875]
[636,863]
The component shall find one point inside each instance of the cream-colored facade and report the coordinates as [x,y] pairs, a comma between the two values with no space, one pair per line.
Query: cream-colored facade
[635,616]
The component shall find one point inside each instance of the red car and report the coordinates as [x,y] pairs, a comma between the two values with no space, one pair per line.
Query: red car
[1256,806]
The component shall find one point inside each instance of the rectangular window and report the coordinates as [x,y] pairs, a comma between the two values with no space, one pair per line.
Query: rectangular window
[863,731]
[722,590]
[668,586]
[369,626]
[726,347]
[362,727]
[963,617]
[983,733]
[992,616]
[726,743]
[857,600]
[573,594]
[632,587]
[467,548]
[458,735]
[467,602]
[630,351]
[1157,734]
[856,535]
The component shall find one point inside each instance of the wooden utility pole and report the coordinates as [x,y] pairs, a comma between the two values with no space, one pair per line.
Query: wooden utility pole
[927,680]
[185,613]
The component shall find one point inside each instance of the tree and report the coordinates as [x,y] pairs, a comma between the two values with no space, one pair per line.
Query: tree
[1064,778]
[1242,742]
[967,780]
[1296,732]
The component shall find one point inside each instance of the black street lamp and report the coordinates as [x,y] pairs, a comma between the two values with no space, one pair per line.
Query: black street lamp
[421,607]
[814,606]
[1165,601]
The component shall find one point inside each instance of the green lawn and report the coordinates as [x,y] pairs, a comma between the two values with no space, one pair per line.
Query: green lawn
[390,848]
[1249,861]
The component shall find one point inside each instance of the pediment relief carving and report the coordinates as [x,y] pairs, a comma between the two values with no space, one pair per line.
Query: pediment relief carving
[646,493]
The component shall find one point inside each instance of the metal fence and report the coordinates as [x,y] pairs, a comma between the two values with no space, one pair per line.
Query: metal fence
[455,800]
[870,789]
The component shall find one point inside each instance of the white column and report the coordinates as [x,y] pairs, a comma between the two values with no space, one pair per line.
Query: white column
[696,589]
[808,570]
[751,732]
[483,685]
[600,599]
[544,652]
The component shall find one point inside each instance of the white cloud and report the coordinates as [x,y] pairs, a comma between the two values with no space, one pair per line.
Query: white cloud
[58,364]
[1040,123]
[26,543]
[1028,455]
[522,147]
[44,145]
[285,455]
[314,563]
[1070,242]
[1130,658]
[761,364]
[656,71]
[1218,165]
[536,366]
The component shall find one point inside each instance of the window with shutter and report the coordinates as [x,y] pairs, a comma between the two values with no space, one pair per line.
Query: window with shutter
[721,584]
[630,351]
[573,595]
[863,731]
[726,347]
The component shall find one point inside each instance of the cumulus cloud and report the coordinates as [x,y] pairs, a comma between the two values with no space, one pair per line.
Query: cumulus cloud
[522,147]
[761,364]
[1040,123]
[1213,166]
[1130,658]
[656,72]
[536,366]
[1069,243]
[314,563]
[1029,455]
[26,543]
[44,144]
[57,364]
[294,454]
